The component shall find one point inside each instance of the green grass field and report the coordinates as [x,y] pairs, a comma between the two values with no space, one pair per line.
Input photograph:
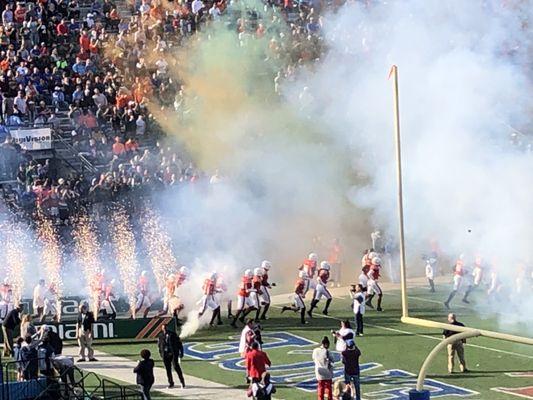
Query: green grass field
[393,351]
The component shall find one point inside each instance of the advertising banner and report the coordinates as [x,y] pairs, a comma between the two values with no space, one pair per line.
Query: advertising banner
[32,138]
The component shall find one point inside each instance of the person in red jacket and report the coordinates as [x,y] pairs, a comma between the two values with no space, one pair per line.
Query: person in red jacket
[256,363]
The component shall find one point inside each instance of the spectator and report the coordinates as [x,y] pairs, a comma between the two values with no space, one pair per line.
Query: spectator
[53,339]
[84,333]
[118,147]
[350,359]
[17,357]
[29,359]
[26,326]
[256,362]
[262,390]
[342,335]
[145,373]
[9,324]
[358,298]
[171,352]
[455,347]
[323,369]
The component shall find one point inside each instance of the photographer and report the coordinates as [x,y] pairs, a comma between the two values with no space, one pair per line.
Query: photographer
[358,297]
[342,335]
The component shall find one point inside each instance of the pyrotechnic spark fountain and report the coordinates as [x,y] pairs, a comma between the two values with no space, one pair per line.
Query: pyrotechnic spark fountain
[88,249]
[124,245]
[51,253]
[159,248]
[16,260]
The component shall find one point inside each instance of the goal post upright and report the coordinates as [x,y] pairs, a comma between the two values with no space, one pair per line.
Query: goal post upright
[397,139]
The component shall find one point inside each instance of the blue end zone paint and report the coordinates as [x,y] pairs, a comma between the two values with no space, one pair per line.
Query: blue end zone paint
[396,383]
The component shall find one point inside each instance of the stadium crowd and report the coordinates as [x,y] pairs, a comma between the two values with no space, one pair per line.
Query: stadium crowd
[105,72]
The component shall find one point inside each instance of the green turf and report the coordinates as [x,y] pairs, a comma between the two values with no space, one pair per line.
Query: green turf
[387,341]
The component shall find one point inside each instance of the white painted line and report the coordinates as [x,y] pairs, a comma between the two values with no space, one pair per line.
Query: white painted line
[430,337]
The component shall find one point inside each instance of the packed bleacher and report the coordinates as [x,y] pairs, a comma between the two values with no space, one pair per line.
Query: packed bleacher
[91,71]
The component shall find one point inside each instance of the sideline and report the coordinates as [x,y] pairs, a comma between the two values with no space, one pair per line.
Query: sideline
[121,368]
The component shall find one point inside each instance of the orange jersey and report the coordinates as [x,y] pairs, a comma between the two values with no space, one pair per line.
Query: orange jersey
[458,269]
[300,286]
[257,282]
[375,272]
[309,266]
[109,292]
[209,287]
[264,280]
[323,275]
[245,286]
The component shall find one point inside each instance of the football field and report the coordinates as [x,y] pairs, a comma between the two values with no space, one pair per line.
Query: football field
[392,352]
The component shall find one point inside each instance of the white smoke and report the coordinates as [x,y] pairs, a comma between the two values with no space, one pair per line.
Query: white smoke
[463,81]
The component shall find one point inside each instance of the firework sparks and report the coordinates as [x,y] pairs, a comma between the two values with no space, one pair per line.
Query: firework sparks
[88,250]
[16,260]
[124,245]
[51,253]
[159,248]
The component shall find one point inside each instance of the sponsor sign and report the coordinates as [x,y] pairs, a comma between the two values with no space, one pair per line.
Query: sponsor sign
[142,328]
[32,139]
[395,383]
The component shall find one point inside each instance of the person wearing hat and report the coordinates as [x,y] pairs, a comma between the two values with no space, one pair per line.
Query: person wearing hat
[350,360]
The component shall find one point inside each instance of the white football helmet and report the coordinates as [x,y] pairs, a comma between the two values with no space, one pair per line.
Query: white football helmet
[6,281]
[302,275]
[184,270]
[376,261]
[248,273]
[258,271]
[171,277]
[112,283]
[214,276]
[325,265]
[313,257]
[144,273]
[266,265]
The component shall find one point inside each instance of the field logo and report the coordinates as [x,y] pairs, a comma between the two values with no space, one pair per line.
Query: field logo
[525,392]
[396,383]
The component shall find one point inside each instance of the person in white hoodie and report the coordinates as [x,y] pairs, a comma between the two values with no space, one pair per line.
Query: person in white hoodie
[323,360]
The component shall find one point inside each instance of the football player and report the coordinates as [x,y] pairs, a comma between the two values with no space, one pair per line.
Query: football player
[321,289]
[300,289]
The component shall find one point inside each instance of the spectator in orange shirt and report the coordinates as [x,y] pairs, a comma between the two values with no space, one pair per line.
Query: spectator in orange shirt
[131,146]
[122,99]
[118,147]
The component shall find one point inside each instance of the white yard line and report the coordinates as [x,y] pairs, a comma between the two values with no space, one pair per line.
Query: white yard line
[121,368]
[430,337]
